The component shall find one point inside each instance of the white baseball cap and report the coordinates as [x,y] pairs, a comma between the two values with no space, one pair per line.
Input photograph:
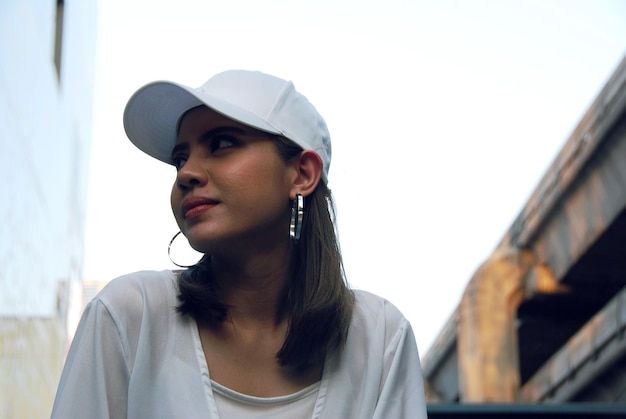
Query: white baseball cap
[259,100]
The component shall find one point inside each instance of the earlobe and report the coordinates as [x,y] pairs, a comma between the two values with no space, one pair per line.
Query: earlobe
[309,168]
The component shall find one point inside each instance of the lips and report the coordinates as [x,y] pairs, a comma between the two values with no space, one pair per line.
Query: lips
[194,206]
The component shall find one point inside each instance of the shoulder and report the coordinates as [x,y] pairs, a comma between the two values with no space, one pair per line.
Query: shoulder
[379,358]
[376,321]
[132,306]
[373,309]
[133,294]
[142,283]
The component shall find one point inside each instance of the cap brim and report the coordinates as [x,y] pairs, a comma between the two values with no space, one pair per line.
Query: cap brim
[152,114]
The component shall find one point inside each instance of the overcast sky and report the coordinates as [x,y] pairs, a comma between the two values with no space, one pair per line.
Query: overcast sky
[443,116]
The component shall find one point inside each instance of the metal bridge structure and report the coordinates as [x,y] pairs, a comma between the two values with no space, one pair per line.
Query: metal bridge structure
[543,320]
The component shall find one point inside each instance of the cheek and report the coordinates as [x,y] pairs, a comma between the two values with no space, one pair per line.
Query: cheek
[261,173]
[241,179]
[263,182]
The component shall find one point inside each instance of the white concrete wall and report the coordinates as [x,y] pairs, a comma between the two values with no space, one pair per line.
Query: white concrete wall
[45,132]
[45,136]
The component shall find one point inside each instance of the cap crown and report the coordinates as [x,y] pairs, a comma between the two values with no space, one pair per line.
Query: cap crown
[252,98]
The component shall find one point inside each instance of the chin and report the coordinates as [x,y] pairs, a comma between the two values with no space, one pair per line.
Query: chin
[201,245]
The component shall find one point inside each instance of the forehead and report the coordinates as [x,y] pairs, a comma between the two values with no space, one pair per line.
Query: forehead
[202,122]
[202,119]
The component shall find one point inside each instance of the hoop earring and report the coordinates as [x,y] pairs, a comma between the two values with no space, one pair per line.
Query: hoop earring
[169,253]
[297,214]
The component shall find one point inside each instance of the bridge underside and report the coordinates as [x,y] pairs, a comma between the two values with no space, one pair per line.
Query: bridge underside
[570,338]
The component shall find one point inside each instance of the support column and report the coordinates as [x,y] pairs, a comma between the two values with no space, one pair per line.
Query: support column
[487,335]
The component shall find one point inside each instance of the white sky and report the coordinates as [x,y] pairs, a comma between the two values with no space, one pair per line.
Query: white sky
[443,115]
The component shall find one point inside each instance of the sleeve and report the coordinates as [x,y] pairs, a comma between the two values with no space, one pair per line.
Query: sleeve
[402,389]
[94,383]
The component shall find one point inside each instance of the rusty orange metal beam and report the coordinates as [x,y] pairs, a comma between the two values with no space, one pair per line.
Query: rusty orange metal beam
[580,196]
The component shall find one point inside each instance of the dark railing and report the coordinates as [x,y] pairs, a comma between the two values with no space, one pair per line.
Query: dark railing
[519,411]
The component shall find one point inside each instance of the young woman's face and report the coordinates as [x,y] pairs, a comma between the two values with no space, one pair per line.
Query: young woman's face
[232,187]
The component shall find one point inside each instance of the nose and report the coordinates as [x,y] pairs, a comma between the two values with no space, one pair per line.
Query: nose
[191,174]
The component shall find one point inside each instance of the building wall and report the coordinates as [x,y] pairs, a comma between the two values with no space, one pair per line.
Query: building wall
[48,57]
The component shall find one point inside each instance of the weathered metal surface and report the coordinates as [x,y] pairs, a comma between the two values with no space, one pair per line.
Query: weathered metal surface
[487,336]
[585,357]
[602,116]
[574,228]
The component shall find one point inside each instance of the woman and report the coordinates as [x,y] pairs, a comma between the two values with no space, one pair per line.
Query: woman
[264,325]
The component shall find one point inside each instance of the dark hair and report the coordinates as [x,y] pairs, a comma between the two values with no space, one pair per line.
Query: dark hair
[318,302]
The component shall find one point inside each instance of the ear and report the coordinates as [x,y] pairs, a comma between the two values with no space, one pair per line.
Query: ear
[309,168]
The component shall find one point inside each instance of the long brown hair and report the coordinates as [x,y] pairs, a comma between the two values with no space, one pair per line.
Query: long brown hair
[318,301]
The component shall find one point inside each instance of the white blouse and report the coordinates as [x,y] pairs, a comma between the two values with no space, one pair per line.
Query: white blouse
[133,356]
[234,405]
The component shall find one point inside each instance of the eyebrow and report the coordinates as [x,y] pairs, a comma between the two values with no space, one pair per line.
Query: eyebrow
[212,133]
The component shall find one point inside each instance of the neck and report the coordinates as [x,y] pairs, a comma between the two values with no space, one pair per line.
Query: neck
[254,286]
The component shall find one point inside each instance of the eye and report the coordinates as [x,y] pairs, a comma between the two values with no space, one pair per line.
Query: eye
[221,142]
[179,162]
